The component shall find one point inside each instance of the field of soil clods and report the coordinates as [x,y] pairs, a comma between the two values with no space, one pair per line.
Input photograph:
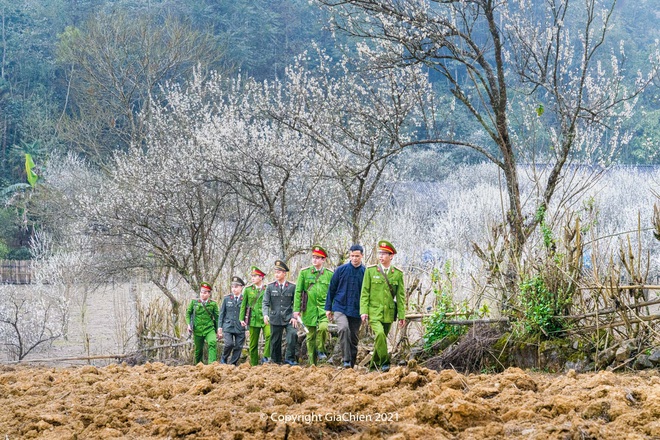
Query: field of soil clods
[271,402]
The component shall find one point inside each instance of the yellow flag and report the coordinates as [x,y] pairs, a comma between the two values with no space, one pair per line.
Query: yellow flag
[29,165]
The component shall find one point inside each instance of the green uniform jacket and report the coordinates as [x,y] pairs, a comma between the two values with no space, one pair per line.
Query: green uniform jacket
[376,299]
[253,298]
[316,295]
[203,323]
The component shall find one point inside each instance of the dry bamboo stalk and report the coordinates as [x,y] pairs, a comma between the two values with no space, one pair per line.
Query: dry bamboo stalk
[614,287]
[609,310]
[75,358]
[477,321]
[96,357]
[617,324]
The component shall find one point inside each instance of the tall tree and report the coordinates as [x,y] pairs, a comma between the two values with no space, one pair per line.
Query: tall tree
[519,68]
[270,167]
[358,120]
[158,208]
[116,64]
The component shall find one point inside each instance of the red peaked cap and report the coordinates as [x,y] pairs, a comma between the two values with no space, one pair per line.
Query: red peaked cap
[319,251]
[386,246]
[256,271]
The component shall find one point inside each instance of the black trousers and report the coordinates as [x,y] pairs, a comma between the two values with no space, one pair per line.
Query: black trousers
[276,342]
[233,347]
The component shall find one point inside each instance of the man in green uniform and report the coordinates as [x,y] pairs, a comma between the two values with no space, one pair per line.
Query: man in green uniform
[253,296]
[229,326]
[309,303]
[202,319]
[277,308]
[382,299]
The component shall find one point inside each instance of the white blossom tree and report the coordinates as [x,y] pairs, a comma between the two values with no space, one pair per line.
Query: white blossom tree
[272,169]
[357,119]
[30,319]
[159,208]
[262,163]
[533,75]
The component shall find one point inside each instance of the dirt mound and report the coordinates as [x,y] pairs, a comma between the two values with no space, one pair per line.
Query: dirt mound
[220,401]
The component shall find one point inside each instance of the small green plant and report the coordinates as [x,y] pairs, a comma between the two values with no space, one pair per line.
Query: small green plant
[548,239]
[436,326]
[540,307]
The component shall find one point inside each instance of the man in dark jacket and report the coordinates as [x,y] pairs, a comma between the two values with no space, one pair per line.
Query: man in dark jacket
[343,303]
[277,308]
[230,327]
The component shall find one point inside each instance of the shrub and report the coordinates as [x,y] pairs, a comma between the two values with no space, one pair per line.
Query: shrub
[540,307]
[446,308]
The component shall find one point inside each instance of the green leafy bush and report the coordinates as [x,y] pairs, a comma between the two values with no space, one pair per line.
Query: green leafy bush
[540,307]
[435,326]
[446,308]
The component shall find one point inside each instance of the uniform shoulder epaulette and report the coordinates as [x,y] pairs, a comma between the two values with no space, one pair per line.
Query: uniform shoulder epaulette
[305,268]
[273,283]
[372,265]
[249,285]
[394,267]
[330,270]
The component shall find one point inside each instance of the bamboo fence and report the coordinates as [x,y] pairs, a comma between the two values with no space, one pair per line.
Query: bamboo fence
[16,271]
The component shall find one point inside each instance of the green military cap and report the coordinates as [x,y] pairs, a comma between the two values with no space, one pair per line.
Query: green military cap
[238,281]
[281,265]
[386,246]
[205,285]
[319,251]
[254,270]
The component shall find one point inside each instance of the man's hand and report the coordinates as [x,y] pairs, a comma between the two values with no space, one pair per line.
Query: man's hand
[243,324]
[294,322]
[296,315]
[365,317]
[266,321]
[189,329]
[329,315]
[220,333]
[402,322]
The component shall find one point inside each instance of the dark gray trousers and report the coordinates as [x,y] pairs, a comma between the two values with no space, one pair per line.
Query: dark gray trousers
[233,346]
[276,342]
[349,328]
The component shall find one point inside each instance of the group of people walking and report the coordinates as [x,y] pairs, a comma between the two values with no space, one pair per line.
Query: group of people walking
[351,295]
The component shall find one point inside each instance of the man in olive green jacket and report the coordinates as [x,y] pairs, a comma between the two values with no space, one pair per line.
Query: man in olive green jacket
[309,303]
[382,300]
[253,296]
[202,319]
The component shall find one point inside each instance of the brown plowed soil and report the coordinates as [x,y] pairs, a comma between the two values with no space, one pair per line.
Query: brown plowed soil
[271,402]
